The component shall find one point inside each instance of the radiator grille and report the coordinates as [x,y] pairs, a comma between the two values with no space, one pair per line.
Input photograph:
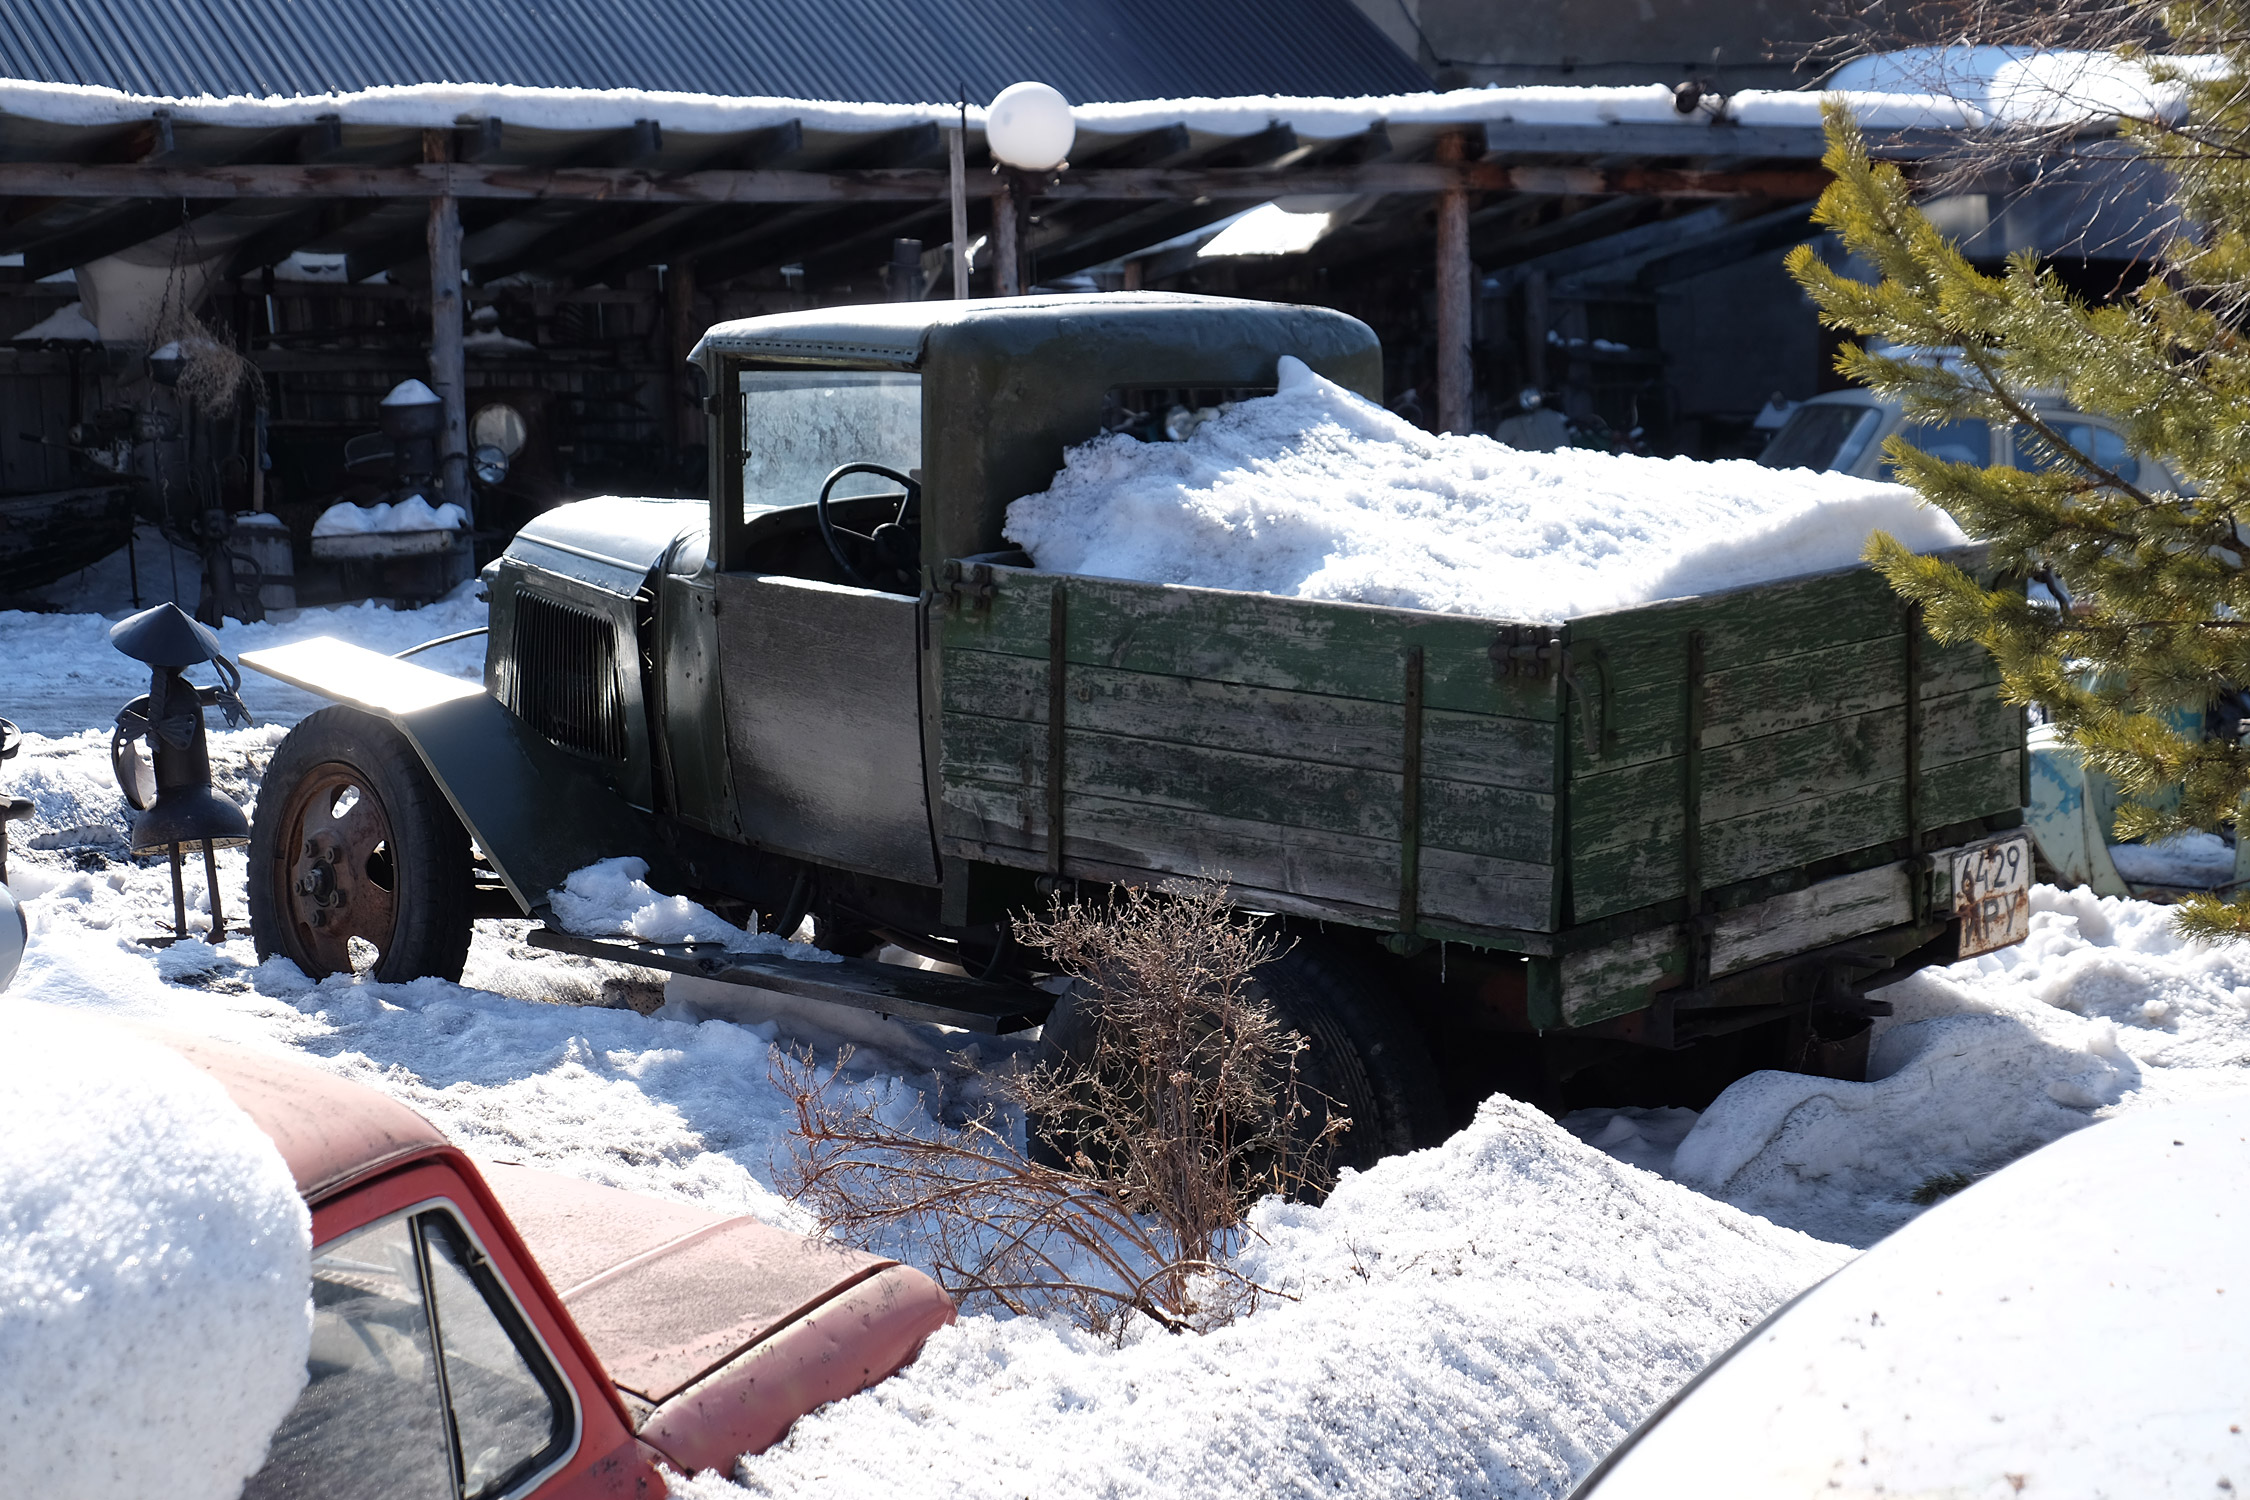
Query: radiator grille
[561,676]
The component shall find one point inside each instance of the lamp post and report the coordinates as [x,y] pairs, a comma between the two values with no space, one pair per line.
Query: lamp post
[1029,130]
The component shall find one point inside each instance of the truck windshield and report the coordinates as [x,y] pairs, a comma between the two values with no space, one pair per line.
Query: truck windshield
[798,425]
[1822,435]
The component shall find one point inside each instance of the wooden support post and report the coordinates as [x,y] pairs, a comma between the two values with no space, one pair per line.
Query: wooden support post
[448,366]
[1007,253]
[1535,325]
[1691,828]
[679,317]
[1058,721]
[1410,800]
[1455,368]
[956,144]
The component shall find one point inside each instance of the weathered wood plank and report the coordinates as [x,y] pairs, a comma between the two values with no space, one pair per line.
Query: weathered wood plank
[1644,801]
[1647,871]
[1261,721]
[1814,917]
[1621,977]
[1646,648]
[1257,640]
[1163,776]
[1321,867]
[1812,687]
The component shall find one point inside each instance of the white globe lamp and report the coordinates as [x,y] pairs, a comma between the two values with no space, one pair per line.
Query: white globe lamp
[1029,127]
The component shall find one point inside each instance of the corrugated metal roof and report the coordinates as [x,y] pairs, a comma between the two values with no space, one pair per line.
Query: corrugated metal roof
[874,51]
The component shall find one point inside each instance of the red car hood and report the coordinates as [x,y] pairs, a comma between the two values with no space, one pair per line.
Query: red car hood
[666,1293]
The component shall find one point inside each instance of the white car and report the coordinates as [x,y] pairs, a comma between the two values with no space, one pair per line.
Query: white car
[2077,1325]
[1844,431]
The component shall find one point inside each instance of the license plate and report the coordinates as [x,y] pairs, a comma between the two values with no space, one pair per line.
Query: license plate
[1992,894]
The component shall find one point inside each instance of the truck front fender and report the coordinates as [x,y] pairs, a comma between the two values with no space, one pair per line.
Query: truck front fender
[537,812]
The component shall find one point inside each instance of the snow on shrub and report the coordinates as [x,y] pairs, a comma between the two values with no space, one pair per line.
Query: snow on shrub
[155,1270]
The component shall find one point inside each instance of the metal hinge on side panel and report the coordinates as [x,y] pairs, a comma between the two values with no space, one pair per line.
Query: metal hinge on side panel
[1533,651]
[971,587]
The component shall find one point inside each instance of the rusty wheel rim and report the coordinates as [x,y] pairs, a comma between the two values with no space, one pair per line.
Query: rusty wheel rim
[336,872]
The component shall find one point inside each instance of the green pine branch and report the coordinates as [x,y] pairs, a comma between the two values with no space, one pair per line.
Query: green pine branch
[2150,597]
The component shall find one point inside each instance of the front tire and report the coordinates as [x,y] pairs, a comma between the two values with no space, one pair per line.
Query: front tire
[352,840]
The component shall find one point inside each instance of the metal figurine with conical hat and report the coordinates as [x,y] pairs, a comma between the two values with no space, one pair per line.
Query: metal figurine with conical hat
[178,805]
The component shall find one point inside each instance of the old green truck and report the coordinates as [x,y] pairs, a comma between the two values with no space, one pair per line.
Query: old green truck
[1626,856]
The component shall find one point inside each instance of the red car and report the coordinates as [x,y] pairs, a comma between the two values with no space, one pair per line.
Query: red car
[507,1332]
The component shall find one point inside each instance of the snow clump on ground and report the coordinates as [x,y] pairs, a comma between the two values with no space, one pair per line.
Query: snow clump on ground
[155,1266]
[612,898]
[1318,493]
[2103,1009]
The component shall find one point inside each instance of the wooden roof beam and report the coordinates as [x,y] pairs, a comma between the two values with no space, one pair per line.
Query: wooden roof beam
[468,180]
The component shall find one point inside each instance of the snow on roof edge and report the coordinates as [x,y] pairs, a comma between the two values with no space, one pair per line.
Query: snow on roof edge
[438,105]
[1893,93]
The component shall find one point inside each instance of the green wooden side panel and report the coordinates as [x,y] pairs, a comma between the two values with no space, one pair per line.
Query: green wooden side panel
[1645,872]
[1260,721]
[1308,871]
[1164,774]
[1256,640]
[1644,801]
[1265,737]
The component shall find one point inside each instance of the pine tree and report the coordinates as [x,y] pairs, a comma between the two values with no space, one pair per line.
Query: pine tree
[2146,598]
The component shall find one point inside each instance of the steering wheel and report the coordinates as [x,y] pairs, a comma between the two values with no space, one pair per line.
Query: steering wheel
[893,550]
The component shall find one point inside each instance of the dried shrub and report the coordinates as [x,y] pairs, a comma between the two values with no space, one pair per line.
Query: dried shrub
[213,373]
[1177,1110]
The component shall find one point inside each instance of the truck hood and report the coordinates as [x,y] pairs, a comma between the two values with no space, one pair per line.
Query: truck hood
[665,1293]
[612,542]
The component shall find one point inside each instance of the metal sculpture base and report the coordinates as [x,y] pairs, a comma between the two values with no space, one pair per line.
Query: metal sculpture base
[218,930]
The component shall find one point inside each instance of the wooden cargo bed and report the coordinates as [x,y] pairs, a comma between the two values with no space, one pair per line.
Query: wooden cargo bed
[1570,792]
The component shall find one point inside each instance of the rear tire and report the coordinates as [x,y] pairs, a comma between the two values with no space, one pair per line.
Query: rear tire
[1365,1060]
[353,840]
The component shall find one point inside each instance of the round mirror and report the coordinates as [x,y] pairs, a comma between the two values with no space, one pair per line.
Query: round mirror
[499,426]
[490,463]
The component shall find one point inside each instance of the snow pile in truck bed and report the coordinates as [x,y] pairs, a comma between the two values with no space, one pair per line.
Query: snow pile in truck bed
[1317,493]
[2102,1009]
[1485,1318]
[155,1269]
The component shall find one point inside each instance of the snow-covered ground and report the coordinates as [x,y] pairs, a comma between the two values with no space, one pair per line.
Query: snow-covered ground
[1315,492]
[63,675]
[1485,1318]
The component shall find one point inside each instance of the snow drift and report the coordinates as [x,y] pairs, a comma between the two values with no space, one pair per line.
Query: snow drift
[1318,493]
[155,1270]
[1485,1318]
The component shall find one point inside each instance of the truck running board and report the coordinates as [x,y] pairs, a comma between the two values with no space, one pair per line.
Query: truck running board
[889,989]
